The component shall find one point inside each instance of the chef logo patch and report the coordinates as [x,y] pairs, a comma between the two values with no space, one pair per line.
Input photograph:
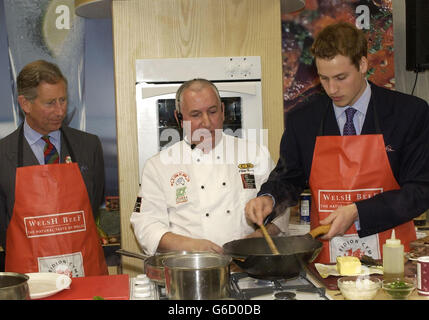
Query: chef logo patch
[181,195]
[246,165]
[248,181]
[179,178]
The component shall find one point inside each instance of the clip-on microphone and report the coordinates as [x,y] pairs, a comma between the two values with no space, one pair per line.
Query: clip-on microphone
[180,118]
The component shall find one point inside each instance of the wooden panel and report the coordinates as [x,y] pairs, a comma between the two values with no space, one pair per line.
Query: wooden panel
[182,29]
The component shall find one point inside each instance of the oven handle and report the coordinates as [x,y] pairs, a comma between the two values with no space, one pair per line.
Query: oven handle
[248,87]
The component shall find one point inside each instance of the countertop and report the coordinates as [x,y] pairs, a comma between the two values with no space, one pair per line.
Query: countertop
[336,294]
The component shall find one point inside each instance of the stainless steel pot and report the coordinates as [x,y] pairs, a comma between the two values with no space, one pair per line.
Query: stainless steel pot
[197,276]
[14,286]
[153,267]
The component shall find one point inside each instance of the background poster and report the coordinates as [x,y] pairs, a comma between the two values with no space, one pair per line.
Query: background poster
[50,30]
[300,79]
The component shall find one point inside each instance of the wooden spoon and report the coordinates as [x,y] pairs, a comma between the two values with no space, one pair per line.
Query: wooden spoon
[270,241]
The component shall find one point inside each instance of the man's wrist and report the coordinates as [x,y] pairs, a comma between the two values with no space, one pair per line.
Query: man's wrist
[270,195]
[357,220]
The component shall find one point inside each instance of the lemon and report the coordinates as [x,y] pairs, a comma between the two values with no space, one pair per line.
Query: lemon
[57,22]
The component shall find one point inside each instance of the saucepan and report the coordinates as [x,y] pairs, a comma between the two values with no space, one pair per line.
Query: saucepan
[197,276]
[14,286]
[253,255]
[153,267]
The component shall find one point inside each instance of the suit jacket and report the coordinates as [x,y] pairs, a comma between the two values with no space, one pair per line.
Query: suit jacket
[403,121]
[89,155]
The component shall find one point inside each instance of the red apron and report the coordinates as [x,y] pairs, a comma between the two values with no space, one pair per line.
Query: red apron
[346,169]
[52,228]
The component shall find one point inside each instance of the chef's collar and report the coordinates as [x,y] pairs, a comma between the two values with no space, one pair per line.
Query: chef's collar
[360,105]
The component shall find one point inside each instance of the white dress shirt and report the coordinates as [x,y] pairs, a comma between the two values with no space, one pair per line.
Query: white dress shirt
[36,143]
[361,105]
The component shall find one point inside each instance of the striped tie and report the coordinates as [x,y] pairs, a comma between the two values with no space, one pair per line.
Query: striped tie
[349,127]
[50,152]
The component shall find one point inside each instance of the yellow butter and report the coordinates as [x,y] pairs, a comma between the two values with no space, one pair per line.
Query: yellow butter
[348,265]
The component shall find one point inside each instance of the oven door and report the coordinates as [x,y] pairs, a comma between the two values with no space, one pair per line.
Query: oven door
[157,127]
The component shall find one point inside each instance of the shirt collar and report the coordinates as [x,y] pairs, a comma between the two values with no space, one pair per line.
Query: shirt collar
[33,136]
[360,105]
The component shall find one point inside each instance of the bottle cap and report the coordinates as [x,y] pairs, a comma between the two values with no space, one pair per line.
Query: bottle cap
[393,241]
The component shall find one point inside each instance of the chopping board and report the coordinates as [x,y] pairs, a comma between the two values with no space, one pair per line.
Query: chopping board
[111,287]
[330,282]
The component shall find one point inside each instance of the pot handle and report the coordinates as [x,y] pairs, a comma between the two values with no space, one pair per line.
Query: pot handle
[320,230]
[132,254]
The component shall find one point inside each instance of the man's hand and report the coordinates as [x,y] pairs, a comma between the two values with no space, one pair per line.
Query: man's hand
[258,209]
[175,242]
[341,220]
[203,245]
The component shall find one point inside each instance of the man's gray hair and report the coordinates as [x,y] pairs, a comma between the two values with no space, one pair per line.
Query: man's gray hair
[198,84]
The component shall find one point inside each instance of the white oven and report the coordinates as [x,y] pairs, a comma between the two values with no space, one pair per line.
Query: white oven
[238,80]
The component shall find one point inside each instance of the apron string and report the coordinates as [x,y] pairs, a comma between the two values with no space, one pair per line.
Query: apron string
[21,146]
[69,148]
[376,122]
[322,123]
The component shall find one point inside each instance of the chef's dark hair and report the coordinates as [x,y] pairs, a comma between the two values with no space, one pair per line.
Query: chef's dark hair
[197,83]
[340,38]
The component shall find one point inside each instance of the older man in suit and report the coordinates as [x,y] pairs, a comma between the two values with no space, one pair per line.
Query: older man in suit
[361,148]
[66,155]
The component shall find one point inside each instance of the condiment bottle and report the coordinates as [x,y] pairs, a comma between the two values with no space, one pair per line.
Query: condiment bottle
[393,258]
[421,219]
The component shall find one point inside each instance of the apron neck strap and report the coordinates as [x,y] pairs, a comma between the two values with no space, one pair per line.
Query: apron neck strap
[20,146]
[376,122]
[69,148]
[322,123]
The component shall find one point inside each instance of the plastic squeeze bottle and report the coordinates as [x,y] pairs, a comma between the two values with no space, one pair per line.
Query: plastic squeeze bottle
[393,258]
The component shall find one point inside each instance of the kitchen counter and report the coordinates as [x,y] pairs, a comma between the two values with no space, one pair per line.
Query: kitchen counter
[297,228]
[116,287]
[381,295]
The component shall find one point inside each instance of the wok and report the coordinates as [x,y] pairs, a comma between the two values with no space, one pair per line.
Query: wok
[254,256]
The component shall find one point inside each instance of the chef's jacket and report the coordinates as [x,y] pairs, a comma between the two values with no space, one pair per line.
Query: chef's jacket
[200,195]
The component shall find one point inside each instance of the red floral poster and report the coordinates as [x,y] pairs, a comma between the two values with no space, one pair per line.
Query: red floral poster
[300,78]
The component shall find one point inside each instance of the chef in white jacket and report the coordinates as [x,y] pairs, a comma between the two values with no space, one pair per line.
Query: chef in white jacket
[193,193]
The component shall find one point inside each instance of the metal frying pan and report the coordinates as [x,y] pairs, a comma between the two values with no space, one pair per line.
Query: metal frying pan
[254,256]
